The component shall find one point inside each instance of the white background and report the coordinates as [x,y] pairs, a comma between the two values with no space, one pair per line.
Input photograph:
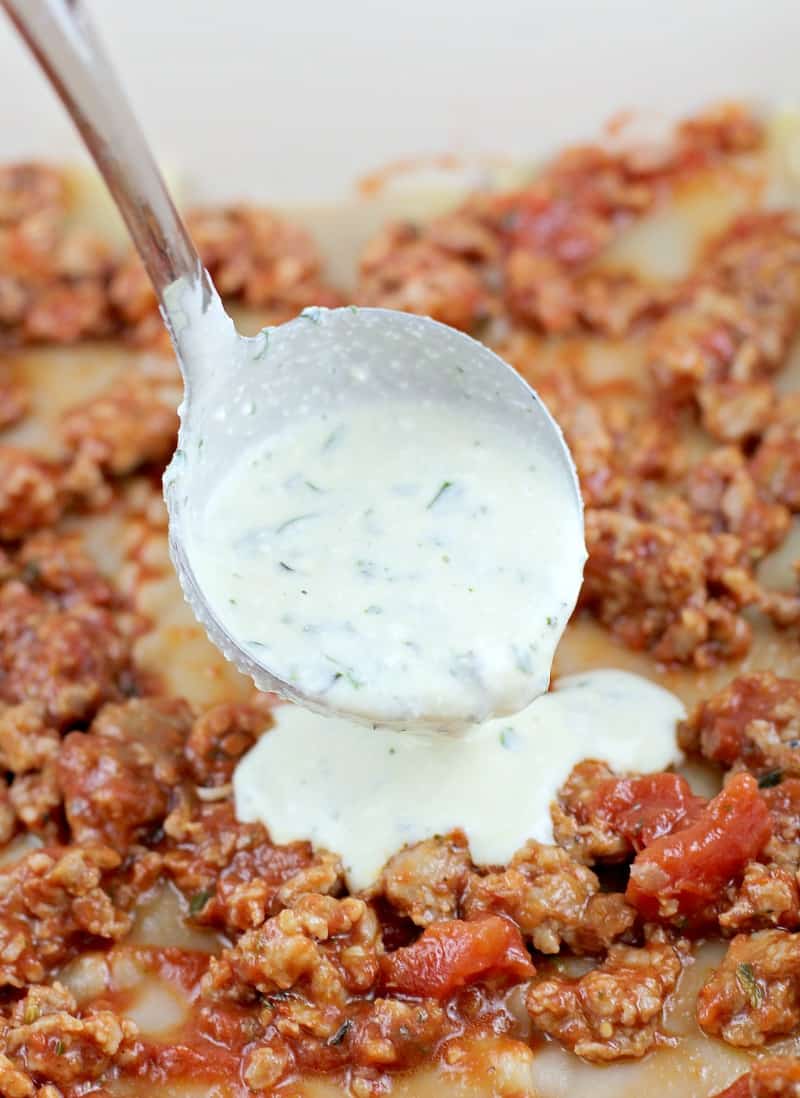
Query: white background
[292,101]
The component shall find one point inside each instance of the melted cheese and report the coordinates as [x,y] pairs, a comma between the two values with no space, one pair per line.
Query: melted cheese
[366,792]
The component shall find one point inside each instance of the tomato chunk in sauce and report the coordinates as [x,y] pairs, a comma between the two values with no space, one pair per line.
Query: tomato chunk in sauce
[683,873]
[738,1089]
[645,808]
[452,953]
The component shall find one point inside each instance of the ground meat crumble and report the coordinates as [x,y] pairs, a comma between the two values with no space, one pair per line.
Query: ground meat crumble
[108,787]
[615,1009]
[754,995]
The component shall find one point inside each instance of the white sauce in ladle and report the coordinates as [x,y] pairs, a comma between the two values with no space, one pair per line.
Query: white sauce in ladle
[400,563]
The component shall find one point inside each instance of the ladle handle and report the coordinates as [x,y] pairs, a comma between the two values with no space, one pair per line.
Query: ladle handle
[61,38]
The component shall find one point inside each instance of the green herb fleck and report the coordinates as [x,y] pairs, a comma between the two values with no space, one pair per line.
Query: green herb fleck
[263,349]
[31,573]
[310,484]
[233,602]
[507,738]
[344,673]
[286,567]
[550,621]
[353,308]
[749,985]
[31,1013]
[59,1047]
[342,1031]
[373,610]
[392,750]
[333,438]
[199,901]
[442,489]
[770,779]
[292,521]
[311,313]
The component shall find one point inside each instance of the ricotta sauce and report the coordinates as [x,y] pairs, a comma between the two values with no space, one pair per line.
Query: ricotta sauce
[365,793]
[402,563]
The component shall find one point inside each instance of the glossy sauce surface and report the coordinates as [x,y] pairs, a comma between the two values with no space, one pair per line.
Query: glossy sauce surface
[402,563]
[365,793]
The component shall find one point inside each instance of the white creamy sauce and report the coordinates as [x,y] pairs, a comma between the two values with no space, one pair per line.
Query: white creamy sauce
[395,541]
[365,793]
[400,563]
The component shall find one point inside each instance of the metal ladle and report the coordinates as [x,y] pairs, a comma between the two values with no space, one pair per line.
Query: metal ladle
[399,353]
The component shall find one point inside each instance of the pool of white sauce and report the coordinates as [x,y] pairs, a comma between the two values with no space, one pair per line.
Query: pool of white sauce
[365,793]
[400,563]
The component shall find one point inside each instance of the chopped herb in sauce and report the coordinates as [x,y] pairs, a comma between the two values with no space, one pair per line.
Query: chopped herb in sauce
[333,438]
[770,778]
[342,1031]
[749,985]
[345,673]
[381,569]
[264,345]
[293,521]
[199,901]
[445,485]
[509,739]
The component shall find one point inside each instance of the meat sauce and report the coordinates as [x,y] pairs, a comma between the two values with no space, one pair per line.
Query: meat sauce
[150,938]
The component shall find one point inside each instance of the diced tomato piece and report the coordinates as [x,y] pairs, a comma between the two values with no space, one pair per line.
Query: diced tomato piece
[738,1089]
[452,953]
[691,867]
[775,1076]
[644,809]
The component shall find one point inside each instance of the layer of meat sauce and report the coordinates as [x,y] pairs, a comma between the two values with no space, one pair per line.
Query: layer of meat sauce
[651,293]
